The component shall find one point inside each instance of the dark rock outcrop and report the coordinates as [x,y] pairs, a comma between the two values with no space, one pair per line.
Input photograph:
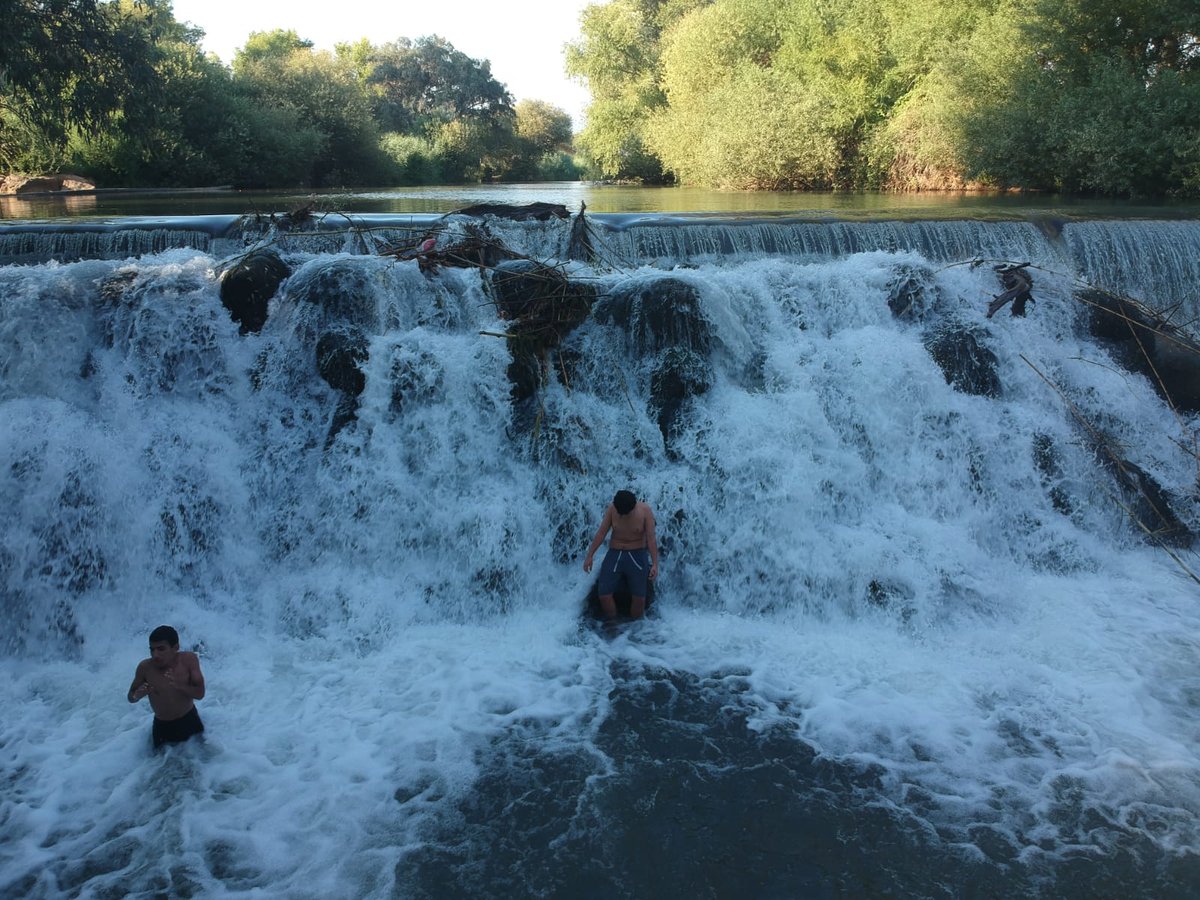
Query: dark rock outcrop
[248,286]
[1144,342]
[341,351]
[543,306]
[1149,504]
[910,293]
[657,313]
[344,289]
[1046,460]
[680,375]
[969,367]
[540,212]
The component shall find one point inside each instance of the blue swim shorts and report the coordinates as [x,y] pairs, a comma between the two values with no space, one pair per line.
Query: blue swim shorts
[633,564]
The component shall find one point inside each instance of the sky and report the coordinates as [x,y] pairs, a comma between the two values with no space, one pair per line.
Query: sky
[523,39]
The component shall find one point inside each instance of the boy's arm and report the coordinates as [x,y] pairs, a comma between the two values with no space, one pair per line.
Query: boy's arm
[652,542]
[605,525]
[194,686]
[140,687]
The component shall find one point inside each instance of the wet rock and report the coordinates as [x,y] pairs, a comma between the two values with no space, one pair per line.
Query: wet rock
[540,212]
[543,307]
[888,593]
[658,313]
[345,413]
[416,378]
[911,293]
[1045,458]
[343,288]
[1150,505]
[341,351]
[680,375]
[969,367]
[248,286]
[1143,341]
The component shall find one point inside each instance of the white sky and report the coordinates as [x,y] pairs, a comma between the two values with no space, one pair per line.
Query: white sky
[523,39]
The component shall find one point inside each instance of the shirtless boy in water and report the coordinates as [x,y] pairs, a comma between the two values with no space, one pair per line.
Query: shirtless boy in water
[632,552]
[173,682]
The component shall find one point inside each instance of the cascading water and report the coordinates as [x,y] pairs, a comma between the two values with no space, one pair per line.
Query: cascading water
[908,639]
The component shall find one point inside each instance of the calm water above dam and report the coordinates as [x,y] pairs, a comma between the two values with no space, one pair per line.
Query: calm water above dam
[599,199]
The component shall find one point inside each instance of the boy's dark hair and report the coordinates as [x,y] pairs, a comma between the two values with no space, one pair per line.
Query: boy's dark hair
[165,633]
[624,502]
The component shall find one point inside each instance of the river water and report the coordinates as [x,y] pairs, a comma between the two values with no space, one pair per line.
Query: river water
[907,640]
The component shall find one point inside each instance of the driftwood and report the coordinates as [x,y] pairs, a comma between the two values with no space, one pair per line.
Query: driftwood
[1017,283]
[540,212]
[537,300]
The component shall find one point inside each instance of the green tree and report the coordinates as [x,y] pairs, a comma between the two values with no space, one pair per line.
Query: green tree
[419,86]
[64,65]
[322,92]
[617,57]
[543,126]
[266,46]
[1096,97]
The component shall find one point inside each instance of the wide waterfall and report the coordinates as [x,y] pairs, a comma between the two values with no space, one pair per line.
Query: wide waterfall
[928,616]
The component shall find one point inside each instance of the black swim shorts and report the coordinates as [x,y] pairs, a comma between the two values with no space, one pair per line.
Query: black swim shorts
[174,731]
[633,564]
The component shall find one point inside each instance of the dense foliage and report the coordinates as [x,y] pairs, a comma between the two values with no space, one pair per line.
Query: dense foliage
[1093,96]
[1079,95]
[121,91]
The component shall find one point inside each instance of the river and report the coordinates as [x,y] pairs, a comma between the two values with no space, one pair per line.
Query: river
[908,639]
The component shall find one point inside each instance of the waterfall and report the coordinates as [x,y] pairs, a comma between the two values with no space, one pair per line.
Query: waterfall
[904,581]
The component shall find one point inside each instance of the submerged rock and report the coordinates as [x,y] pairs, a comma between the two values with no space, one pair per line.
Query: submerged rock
[1046,459]
[341,353]
[1150,506]
[911,293]
[344,289]
[248,286]
[969,367]
[680,375]
[1144,342]
[657,313]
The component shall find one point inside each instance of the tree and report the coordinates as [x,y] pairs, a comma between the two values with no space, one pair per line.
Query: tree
[617,56]
[64,64]
[419,86]
[279,70]
[267,46]
[543,126]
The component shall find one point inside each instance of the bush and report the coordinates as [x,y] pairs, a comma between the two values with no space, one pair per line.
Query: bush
[412,159]
[558,166]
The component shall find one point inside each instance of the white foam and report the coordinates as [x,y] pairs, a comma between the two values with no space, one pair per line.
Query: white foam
[371,617]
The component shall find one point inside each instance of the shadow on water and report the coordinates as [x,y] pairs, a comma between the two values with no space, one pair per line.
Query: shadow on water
[680,797]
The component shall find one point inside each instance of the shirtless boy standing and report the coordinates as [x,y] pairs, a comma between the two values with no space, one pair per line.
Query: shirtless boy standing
[632,552]
[172,681]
